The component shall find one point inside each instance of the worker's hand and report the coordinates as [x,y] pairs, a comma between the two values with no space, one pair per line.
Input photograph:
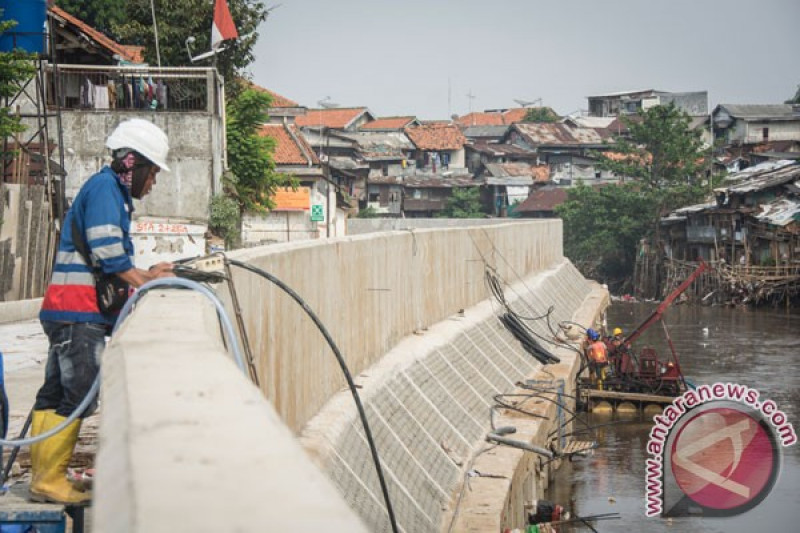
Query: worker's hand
[161,270]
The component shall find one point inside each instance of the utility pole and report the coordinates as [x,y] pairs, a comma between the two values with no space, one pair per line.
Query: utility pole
[155,30]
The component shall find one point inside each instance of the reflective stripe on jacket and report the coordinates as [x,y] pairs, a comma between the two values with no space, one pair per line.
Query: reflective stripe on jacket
[102,211]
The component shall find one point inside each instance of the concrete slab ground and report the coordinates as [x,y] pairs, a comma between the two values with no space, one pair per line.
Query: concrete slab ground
[24,348]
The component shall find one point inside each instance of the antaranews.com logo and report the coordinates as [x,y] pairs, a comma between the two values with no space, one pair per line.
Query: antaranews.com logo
[715,451]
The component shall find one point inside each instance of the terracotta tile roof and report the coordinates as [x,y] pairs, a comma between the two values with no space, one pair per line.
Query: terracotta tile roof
[493,118]
[290,147]
[337,118]
[136,52]
[277,100]
[543,200]
[514,115]
[130,53]
[480,119]
[436,137]
[388,123]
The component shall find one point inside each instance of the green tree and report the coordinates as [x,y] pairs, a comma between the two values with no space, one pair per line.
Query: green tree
[664,162]
[540,114]
[464,202]
[664,157]
[99,14]
[602,227]
[225,219]
[15,68]
[253,177]
[178,20]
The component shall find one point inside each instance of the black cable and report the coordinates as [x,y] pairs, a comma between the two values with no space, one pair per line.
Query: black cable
[524,334]
[200,276]
[495,288]
[504,405]
[343,365]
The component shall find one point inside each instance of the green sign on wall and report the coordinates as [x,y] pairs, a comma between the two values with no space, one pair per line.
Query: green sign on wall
[317,213]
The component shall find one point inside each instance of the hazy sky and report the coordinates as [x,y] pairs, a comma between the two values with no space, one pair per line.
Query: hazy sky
[396,57]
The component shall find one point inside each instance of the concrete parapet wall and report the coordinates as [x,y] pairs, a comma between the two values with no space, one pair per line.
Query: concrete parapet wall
[195,158]
[358,226]
[19,310]
[187,443]
[428,403]
[371,291]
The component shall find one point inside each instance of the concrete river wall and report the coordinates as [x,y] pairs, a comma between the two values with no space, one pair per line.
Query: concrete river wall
[185,434]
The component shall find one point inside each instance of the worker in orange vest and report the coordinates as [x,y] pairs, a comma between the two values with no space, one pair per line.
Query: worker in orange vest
[597,354]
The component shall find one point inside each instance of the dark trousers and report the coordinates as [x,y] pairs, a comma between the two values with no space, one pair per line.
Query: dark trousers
[73,362]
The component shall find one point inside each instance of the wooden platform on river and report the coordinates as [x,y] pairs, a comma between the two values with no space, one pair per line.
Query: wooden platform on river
[638,397]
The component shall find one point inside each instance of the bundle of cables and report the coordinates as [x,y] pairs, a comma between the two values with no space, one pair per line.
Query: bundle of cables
[513,322]
[524,335]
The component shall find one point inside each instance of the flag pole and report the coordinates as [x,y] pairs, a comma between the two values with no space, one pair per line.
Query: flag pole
[155,30]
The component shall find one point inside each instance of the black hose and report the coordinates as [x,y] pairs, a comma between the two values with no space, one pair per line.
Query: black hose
[343,365]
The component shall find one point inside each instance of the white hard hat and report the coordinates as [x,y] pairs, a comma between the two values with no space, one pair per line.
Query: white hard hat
[142,136]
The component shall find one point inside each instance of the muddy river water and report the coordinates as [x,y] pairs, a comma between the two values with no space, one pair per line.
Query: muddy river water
[760,349]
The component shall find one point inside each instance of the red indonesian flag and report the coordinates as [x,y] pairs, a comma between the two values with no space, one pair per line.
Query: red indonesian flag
[223,27]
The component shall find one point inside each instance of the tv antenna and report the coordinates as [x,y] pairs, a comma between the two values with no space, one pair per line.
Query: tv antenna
[470,97]
[529,103]
[327,103]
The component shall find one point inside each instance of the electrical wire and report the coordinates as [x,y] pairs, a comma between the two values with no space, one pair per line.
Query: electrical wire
[345,370]
[126,309]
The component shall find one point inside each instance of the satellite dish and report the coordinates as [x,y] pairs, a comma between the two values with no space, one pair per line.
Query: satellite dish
[529,103]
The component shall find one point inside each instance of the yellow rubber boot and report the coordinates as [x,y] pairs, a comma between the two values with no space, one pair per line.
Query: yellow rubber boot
[49,477]
[37,422]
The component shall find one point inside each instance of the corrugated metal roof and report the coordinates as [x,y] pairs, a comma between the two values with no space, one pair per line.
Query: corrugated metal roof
[500,149]
[534,173]
[426,181]
[780,212]
[543,200]
[696,208]
[346,163]
[762,176]
[763,111]
[327,140]
[486,131]
[624,93]
[591,122]
[379,141]
[557,134]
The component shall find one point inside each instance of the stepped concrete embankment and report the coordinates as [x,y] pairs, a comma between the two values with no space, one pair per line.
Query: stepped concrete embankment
[186,436]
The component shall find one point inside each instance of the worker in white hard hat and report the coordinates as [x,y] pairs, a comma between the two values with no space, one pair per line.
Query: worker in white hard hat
[91,280]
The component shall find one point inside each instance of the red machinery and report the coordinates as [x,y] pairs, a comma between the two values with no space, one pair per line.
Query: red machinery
[648,374]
